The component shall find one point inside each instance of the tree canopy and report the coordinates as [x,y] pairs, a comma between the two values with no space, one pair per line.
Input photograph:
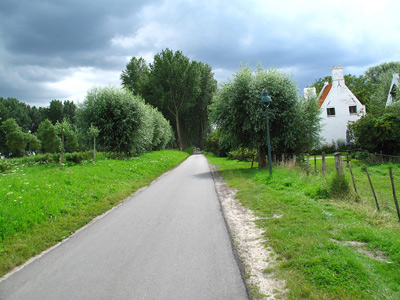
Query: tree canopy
[180,88]
[239,113]
[125,123]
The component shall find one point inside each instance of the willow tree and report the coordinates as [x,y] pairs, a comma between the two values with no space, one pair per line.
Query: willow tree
[240,115]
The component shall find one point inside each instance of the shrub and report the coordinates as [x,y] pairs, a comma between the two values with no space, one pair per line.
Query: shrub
[242,154]
[339,186]
[125,123]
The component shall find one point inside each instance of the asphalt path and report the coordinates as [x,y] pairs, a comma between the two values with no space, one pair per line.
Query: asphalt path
[168,241]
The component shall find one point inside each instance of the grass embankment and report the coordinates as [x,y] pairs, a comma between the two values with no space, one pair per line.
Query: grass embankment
[327,248]
[42,204]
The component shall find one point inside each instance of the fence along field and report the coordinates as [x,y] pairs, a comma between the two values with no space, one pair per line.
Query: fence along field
[374,183]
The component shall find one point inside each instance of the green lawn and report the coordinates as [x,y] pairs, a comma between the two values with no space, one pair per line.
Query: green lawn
[327,248]
[41,204]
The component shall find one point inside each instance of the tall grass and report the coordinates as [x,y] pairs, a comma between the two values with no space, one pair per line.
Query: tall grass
[328,247]
[41,204]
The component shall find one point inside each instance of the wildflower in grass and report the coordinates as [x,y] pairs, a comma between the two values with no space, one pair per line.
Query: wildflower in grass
[10,193]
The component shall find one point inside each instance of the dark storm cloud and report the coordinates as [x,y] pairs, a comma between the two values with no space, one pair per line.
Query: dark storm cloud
[54,49]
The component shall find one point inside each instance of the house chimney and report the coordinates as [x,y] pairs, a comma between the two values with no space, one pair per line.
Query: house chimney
[310,92]
[337,76]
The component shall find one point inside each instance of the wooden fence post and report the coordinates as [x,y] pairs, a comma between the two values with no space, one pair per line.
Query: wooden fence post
[308,164]
[323,163]
[394,193]
[294,160]
[339,163]
[352,177]
[283,159]
[275,160]
[372,188]
[315,164]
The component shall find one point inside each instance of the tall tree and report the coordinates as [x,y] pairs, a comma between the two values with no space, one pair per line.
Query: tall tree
[136,76]
[47,133]
[16,139]
[55,113]
[69,111]
[175,82]
[181,89]
[197,117]
[240,115]
[374,73]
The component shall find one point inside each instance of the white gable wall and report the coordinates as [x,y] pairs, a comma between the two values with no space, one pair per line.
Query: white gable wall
[340,98]
[395,84]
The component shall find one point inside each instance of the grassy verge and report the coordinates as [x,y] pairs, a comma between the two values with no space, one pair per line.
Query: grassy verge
[42,204]
[327,248]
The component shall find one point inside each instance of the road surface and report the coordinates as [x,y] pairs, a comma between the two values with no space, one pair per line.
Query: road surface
[167,242]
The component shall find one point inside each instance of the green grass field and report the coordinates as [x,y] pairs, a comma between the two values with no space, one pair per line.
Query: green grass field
[327,247]
[41,204]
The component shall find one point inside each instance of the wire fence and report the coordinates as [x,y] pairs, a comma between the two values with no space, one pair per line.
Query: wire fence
[373,179]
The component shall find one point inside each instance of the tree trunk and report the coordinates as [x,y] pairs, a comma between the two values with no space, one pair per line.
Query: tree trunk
[262,157]
[178,129]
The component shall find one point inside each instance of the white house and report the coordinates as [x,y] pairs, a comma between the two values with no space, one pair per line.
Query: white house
[393,90]
[338,107]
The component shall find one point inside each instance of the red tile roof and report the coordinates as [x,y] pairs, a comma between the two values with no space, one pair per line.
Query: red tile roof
[325,93]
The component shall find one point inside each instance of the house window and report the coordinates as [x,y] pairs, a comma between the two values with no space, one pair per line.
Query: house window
[353,109]
[330,111]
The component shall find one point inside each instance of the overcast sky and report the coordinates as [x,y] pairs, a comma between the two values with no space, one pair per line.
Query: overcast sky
[58,49]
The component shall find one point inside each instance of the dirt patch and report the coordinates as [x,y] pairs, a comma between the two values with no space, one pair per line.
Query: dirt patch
[250,244]
[360,248]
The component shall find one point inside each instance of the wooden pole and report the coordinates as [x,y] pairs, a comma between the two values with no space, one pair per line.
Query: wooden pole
[323,163]
[352,177]
[339,163]
[315,164]
[372,188]
[294,161]
[308,164]
[283,159]
[394,193]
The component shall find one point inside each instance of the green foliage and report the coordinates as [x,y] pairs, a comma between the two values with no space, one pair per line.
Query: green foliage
[55,112]
[93,131]
[11,108]
[69,134]
[339,186]
[181,90]
[47,133]
[125,123]
[189,150]
[215,145]
[242,154]
[136,76]
[380,131]
[17,141]
[240,115]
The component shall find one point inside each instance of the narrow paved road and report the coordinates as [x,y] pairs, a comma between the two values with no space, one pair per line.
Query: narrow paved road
[167,242]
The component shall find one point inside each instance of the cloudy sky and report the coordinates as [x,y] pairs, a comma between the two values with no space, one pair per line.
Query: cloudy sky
[58,49]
